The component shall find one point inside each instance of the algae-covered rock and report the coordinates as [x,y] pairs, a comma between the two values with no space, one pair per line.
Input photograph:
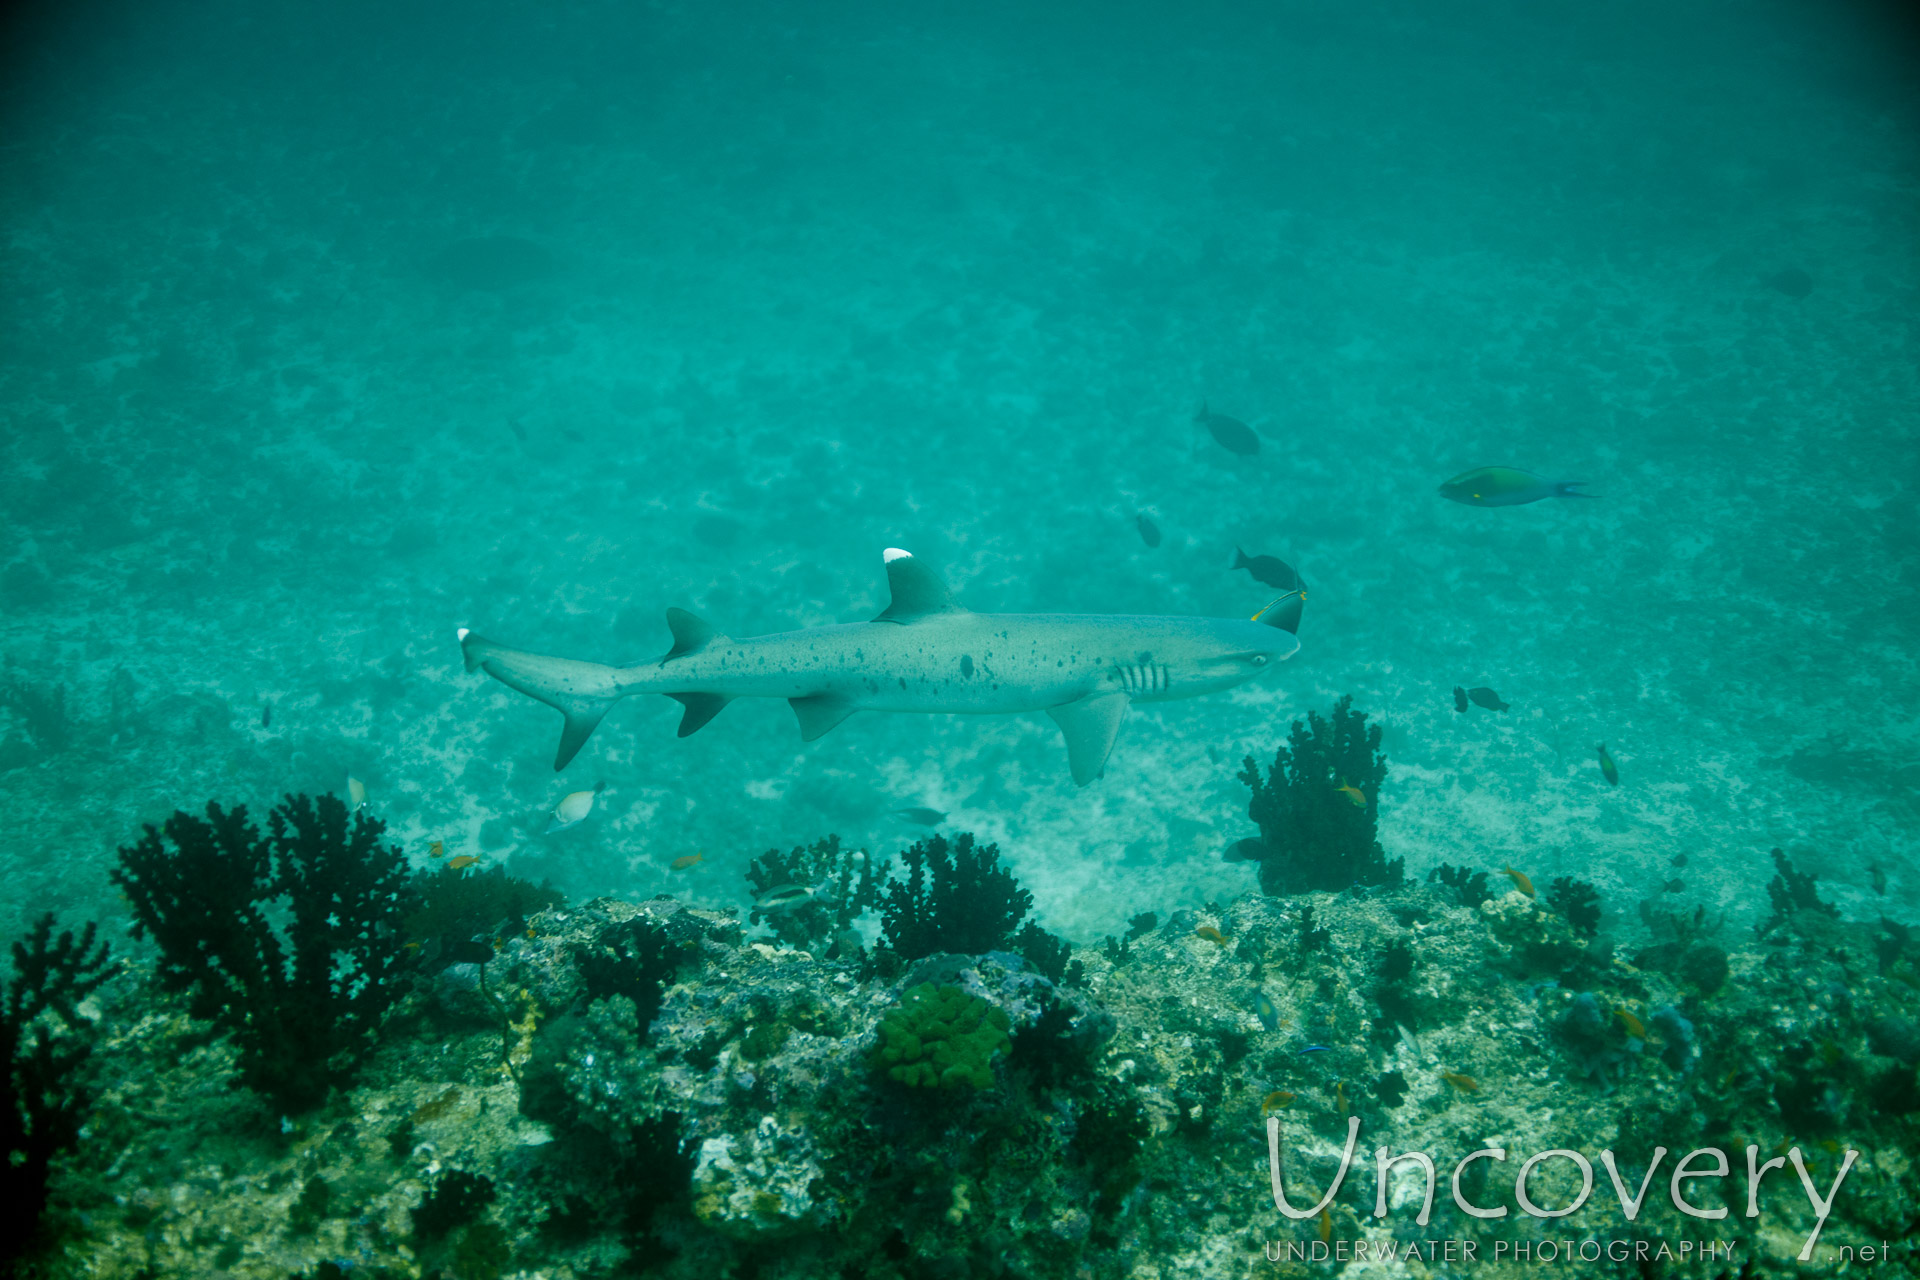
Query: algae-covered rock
[941,1037]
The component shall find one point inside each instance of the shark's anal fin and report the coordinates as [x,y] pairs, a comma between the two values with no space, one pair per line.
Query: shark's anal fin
[583,692]
[917,590]
[701,707]
[1090,726]
[690,635]
[819,713]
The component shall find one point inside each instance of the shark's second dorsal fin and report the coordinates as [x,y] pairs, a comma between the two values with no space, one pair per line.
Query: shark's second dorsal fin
[917,591]
[690,634]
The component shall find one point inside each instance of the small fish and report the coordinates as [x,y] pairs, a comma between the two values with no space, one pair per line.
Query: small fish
[1269,1016]
[1464,1083]
[1675,885]
[462,862]
[356,793]
[266,716]
[1678,860]
[1485,697]
[1879,875]
[1326,1226]
[1275,1101]
[922,815]
[1635,1028]
[692,859]
[1149,531]
[1340,1095]
[1459,699]
[1316,1048]
[1249,850]
[1211,934]
[1231,434]
[1352,793]
[1608,770]
[572,809]
[784,897]
[1413,1045]
[1519,879]
[1793,282]
[436,849]
[1272,570]
[1506,487]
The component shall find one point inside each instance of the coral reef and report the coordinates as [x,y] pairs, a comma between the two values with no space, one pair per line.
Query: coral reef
[941,1037]
[1318,806]
[849,889]
[1468,888]
[1578,901]
[463,913]
[304,1003]
[45,1043]
[957,898]
[1792,893]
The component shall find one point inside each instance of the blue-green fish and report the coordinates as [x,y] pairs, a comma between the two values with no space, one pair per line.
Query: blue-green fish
[1506,487]
[1263,1009]
[1608,769]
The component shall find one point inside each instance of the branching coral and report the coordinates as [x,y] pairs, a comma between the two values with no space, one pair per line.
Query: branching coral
[848,890]
[1578,901]
[941,1037]
[44,1044]
[957,897]
[303,1004]
[1793,891]
[1469,888]
[1318,806]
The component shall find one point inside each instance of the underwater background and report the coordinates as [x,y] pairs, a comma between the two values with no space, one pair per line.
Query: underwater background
[330,329]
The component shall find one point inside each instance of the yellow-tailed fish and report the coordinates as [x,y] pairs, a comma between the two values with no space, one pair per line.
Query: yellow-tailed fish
[1464,1083]
[1274,1101]
[1519,879]
[436,850]
[462,862]
[1635,1028]
[1211,934]
[1326,1226]
[692,859]
[1352,793]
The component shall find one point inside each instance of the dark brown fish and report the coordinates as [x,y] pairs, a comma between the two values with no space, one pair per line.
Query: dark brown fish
[1484,697]
[1149,531]
[266,716]
[1252,849]
[1793,282]
[1459,698]
[1231,434]
[1674,886]
[1272,570]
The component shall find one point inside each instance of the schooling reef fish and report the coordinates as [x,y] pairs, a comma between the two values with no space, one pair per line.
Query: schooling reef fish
[1506,487]
[921,814]
[1149,531]
[922,653]
[573,809]
[691,860]
[1608,770]
[1352,793]
[1230,434]
[462,862]
[1485,697]
[1519,879]
[1272,570]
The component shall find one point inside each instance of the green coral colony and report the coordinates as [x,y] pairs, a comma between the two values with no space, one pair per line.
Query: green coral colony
[888,1069]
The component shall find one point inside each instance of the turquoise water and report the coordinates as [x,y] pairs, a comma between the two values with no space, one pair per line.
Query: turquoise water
[331,332]
[327,331]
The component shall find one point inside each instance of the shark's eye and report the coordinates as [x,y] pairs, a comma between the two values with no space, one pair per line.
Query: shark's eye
[1259,659]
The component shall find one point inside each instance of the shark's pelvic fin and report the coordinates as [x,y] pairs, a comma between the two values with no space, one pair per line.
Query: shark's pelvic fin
[917,590]
[690,635]
[581,691]
[1090,726]
[701,707]
[819,713]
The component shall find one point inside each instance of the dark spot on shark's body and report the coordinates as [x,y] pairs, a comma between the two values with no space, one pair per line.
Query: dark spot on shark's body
[966,666]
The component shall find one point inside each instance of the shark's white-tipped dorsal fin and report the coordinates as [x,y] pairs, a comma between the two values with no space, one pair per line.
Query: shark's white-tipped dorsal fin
[690,635]
[917,590]
[1090,726]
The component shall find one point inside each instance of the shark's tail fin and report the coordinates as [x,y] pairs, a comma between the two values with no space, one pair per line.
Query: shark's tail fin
[581,691]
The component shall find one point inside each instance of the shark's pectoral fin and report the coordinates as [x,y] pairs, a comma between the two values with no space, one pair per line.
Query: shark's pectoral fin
[917,590]
[690,635]
[819,713]
[701,707]
[1090,726]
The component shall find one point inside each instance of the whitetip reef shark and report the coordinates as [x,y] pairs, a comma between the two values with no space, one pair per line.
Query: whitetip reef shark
[922,653]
